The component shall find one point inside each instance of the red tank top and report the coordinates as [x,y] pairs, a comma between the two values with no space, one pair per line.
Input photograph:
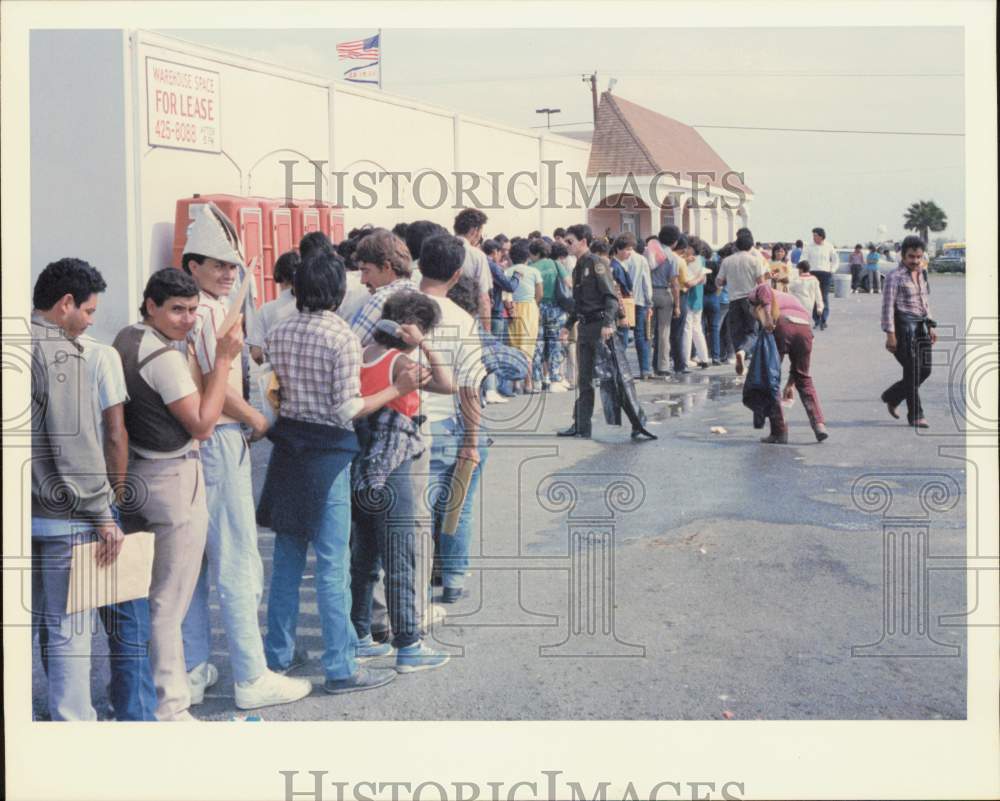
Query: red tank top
[377,375]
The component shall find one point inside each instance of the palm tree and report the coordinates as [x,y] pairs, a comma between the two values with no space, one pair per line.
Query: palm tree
[924,216]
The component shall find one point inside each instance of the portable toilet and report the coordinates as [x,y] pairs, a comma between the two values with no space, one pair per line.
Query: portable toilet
[305,219]
[246,216]
[331,222]
[277,238]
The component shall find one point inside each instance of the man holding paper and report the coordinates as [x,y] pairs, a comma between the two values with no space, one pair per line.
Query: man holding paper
[70,493]
[212,256]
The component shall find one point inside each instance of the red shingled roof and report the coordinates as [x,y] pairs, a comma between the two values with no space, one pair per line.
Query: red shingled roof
[630,138]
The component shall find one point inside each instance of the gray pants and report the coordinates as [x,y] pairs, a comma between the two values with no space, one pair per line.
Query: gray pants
[663,314]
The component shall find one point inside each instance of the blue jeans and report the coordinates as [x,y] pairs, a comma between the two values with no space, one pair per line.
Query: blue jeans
[642,347]
[713,325]
[499,326]
[331,544]
[232,558]
[725,340]
[453,549]
[385,535]
[64,640]
[550,353]
[132,692]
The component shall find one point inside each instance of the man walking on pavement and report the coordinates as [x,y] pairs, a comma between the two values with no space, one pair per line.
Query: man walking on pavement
[823,259]
[909,331]
[741,272]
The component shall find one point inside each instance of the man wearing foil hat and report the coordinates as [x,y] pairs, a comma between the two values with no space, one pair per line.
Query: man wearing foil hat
[213,257]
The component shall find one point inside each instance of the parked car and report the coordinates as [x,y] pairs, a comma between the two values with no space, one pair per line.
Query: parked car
[951,259]
[844,256]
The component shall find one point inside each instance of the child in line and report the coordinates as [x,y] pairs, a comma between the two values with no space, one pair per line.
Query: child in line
[387,488]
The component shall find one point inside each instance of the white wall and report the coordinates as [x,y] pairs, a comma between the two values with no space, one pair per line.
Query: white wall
[264,118]
[79,180]
[374,131]
[102,192]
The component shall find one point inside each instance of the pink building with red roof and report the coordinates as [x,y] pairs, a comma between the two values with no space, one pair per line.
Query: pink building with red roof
[657,170]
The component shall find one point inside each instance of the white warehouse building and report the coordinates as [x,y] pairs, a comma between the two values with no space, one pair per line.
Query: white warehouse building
[126,123]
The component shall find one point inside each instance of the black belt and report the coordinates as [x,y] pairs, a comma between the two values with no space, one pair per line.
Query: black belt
[593,317]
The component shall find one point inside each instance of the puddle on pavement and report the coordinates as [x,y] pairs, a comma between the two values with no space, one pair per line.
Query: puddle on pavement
[703,388]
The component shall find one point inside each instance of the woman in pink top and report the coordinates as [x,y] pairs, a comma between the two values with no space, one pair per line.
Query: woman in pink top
[782,314]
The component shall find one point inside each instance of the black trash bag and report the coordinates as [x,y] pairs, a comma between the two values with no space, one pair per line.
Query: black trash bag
[762,388]
[618,392]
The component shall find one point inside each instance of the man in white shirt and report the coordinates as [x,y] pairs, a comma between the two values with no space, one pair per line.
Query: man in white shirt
[469,228]
[741,272]
[453,420]
[274,311]
[823,260]
[642,293]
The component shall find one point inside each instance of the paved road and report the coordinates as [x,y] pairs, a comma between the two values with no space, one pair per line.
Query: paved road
[700,576]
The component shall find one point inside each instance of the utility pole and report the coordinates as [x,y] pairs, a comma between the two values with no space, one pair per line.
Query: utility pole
[548,112]
[592,78]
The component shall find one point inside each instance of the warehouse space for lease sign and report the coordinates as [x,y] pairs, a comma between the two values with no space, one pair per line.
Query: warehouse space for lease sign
[182,106]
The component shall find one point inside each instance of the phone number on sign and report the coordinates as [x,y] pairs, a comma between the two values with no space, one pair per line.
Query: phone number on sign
[183,132]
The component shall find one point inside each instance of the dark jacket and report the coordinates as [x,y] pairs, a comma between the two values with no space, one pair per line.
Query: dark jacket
[306,460]
[501,284]
[593,293]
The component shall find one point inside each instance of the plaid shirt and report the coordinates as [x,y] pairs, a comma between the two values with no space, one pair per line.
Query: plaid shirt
[904,294]
[317,360]
[368,315]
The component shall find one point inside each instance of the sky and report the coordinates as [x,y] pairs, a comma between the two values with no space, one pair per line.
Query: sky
[854,79]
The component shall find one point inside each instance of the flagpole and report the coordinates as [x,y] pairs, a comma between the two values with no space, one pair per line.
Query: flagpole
[381,55]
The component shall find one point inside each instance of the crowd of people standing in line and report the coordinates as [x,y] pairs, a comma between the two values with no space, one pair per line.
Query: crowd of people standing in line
[383,350]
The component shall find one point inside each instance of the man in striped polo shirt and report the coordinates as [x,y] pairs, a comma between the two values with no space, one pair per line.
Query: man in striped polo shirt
[212,256]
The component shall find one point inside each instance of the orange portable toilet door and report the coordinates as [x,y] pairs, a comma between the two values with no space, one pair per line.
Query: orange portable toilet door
[251,229]
[310,222]
[336,227]
[281,238]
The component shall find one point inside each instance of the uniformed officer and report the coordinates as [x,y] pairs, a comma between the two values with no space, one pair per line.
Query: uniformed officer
[596,310]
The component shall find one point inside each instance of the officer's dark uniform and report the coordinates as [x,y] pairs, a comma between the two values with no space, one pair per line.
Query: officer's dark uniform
[596,308]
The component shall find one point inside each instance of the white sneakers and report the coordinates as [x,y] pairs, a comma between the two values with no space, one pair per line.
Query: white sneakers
[558,386]
[200,678]
[271,689]
[492,396]
[268,689]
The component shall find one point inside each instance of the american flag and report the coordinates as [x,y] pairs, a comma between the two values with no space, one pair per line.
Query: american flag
[359,49]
